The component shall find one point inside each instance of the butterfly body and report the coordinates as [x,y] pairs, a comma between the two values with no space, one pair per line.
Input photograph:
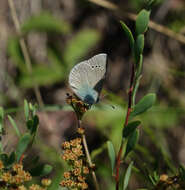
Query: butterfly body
[86,78]
[87,94]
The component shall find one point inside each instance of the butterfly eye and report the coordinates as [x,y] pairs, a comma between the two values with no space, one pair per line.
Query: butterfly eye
[93,67]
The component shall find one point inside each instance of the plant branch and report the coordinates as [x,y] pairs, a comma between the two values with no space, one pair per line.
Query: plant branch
[129,109]
[91,165]
[24,49]
[155,26]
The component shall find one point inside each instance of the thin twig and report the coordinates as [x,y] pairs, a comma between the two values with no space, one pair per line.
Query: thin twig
[89,158]
[129,109]
[157,27]
[27,59]
[24,49]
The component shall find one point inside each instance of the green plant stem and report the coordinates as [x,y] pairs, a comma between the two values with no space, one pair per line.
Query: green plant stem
[89,158]
[129,109]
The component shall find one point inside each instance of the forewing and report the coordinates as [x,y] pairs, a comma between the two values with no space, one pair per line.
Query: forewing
[98,70]
[78,76]
[88,73]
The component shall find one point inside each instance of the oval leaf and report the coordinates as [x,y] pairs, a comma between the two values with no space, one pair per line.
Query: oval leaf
[142,21]
[128,33]
[127,176]
[111,153]
[26,110]
[14,51]
[45,22]
[132,141]
[139,46]
[143,105]
[42,75]
[22,145]
[130,128]
[14,125]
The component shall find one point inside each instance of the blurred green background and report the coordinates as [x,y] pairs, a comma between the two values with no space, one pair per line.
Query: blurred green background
[61,33]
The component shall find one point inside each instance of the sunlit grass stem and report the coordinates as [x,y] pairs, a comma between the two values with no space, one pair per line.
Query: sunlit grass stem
[24,50]
[89,158]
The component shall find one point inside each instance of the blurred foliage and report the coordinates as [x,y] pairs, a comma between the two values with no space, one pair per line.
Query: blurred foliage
[75,49]
[11,163]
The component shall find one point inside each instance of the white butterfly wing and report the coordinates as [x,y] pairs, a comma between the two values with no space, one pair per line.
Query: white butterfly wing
[89,73]
[98,68]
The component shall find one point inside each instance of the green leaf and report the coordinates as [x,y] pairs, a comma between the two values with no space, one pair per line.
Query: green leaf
[41,170]
[45,22]
[14,125]
[143,105]
[142,21]
[156,176]
[138,77]
[33,108]
[130,128]
[1,119]
[22,145]
[150,4]
[182,172]
[139,46]
[4,158]
[35,124]
[152,180]
[29,124]
[98,151]
[11,159]
[127,176]
[140,66]
[56,180]
[7,160]
[79,46]
[26,110]
[42,75]
[32,125]
[132,141]
[128,33]
[15,53]
[111,153]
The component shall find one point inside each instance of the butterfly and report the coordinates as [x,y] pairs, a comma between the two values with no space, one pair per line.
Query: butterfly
[86,78]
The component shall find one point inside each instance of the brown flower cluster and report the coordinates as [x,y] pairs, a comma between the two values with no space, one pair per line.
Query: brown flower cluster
[75,179]
[15,177]
[79,106]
